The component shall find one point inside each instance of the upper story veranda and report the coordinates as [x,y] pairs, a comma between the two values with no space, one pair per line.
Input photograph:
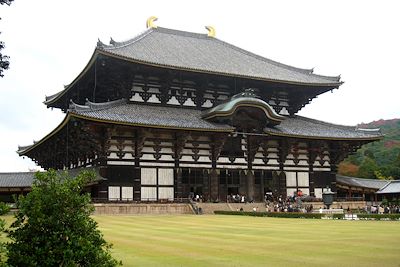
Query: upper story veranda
[177,68]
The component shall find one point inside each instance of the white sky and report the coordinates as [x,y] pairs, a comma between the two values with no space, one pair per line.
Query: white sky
[51,41]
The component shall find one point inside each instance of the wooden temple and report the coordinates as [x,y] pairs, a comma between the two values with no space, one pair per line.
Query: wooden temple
[171,113]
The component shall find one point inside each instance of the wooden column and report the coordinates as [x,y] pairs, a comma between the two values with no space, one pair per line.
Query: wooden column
[214,183]
[206,186]
[140,136]
[250,182]
[178,189]
[262,193]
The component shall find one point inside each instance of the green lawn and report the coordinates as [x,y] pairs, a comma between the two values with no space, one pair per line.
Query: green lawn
[250,241]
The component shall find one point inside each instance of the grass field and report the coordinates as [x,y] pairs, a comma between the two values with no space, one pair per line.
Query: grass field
[250,241]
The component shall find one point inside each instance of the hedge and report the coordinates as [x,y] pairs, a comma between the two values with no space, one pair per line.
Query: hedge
[361,216]
[379,216]
[272,214]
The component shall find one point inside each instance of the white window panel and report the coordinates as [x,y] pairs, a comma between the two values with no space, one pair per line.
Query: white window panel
[291,179]
[166,193]
[166,176]
[318,192]
[303,179]
[148,176]
[148,193]
[127,193]
[113,193]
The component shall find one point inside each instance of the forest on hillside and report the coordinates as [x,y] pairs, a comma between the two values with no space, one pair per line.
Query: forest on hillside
[376,160]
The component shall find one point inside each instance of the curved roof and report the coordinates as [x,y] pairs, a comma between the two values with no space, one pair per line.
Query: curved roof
[361,182]
[302,127]
[392,187]
[199,52]
[123,112]
[181,50]
[245,99]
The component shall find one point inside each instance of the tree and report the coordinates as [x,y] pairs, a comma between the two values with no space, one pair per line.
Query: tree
[4,63]
[368,168]
[53,226]
[4,209]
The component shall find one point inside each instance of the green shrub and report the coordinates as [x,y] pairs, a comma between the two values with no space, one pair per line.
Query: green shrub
[53,226]
[4,209]
[338,216]
[272,214]
[379,216]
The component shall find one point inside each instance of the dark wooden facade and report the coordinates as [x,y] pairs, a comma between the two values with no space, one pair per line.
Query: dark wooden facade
[158,159]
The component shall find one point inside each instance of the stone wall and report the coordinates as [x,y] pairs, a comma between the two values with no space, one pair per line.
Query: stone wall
[209,208]
[131,209]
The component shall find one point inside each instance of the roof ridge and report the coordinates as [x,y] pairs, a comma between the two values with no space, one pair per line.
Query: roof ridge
[347,127]
[386,185]
[184,33]
[276,63]
[95,106]
[114,44]
[279,64]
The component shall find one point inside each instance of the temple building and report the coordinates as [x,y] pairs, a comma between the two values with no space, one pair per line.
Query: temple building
[171,113]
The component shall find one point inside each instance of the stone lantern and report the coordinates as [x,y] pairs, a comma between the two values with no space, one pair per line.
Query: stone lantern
[327,197]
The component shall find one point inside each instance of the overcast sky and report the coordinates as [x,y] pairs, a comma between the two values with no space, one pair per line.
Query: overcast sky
[51,41]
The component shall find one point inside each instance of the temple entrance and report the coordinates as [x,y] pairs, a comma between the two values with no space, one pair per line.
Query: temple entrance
[233,190]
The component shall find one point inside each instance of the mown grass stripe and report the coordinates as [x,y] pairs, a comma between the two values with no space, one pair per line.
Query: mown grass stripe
[250,241]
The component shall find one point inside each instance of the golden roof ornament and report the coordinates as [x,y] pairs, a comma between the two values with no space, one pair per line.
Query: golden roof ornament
[150,22]
[211,31]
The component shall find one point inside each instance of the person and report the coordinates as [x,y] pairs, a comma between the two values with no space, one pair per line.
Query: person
[254,209]
[299,193]
[241,209]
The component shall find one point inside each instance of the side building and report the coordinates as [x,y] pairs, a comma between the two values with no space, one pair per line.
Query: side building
[171,113]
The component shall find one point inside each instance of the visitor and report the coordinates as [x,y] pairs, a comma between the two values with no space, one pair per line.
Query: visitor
[381,210]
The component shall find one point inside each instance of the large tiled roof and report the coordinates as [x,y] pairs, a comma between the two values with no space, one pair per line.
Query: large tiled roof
[393,187]
[198,52]
[305,127]
[16,179]
[121,111]
[361,182]
[124,112]
[180,118]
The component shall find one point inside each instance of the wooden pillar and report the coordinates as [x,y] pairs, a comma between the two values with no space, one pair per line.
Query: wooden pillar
[262,193]
[243,183]
[206,186]
[137,176]
[214,183]
[250,181]
[178,188]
